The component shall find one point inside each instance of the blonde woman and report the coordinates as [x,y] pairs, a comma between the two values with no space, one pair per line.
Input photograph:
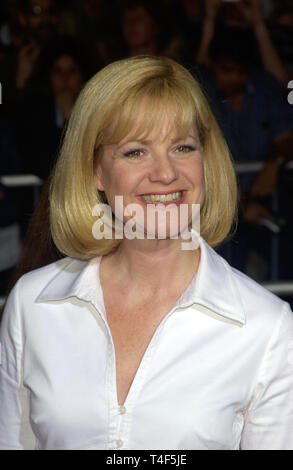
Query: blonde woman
[140,342]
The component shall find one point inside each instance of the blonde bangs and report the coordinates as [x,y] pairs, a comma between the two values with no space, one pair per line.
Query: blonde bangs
[164,100]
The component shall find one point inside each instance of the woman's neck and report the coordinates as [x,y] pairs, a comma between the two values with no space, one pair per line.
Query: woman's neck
[236,100]
[154,266]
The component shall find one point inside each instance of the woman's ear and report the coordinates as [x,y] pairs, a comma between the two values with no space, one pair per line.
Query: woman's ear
[99,178]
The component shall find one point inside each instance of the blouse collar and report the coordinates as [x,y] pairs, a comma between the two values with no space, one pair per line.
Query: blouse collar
[213,290]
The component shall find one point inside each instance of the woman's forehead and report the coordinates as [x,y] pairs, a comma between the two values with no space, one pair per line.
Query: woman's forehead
[165,132]
[151,117]
[166,129]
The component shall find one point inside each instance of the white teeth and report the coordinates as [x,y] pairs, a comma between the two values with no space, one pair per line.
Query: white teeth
[164,198]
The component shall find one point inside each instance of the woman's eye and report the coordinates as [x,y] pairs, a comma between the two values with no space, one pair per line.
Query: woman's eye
[136,153]
[185,148]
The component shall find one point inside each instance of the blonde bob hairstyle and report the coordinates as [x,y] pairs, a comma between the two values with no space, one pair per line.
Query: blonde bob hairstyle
[118,90]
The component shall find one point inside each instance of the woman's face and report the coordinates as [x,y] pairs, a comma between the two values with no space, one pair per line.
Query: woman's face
[42,18]
[66,76]
[163,170]
[230,77]
[138,27]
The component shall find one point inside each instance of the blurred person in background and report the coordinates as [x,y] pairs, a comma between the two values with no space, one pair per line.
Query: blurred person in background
[91,10]
[281,29]
[250,104]
[141,27]
[40,19]
[252,109]
[188,16]
[40,24]
[95,24]
[148,30]
[246,15]
[41,117]
[90,16]
[37,23]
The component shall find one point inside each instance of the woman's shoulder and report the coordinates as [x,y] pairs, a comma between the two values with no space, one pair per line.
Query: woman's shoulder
[235,293]
[257,299]
[44,283]
[30,285]
[265,314]
[62,264]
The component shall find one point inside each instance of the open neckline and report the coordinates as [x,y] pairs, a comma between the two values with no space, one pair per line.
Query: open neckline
[186,298]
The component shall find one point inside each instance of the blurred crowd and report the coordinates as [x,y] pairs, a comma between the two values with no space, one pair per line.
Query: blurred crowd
[240,51]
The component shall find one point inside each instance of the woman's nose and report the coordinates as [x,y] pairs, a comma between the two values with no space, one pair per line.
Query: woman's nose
[163,170]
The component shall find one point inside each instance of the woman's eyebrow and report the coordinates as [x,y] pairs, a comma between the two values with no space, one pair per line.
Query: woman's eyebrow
[148,142]
[177,139]
[134,141]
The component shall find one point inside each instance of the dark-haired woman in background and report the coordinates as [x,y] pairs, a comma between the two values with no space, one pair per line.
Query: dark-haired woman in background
[42,116]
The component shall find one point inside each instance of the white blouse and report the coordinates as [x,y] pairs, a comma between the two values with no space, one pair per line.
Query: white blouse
[217,374]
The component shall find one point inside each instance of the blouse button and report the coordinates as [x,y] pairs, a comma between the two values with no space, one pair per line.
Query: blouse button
[119,443]
[122,410]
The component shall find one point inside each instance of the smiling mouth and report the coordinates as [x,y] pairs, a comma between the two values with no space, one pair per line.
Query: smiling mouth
[162,198]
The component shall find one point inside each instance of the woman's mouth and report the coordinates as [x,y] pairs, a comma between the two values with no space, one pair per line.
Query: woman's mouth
[175,198]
